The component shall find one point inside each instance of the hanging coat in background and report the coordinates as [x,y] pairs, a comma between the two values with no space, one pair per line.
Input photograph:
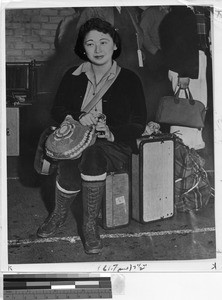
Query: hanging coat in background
[179,41]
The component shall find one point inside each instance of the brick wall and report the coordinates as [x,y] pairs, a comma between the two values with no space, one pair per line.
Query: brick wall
[30,33]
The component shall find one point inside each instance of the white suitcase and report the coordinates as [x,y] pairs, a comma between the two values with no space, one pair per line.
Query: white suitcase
[153,179]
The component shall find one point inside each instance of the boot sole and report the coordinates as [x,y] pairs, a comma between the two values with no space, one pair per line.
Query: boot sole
[44,235]
[94,251]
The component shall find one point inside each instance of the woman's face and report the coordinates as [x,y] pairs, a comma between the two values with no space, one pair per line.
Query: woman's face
[99,47]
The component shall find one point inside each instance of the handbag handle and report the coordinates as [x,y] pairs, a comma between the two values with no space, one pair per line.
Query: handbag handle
[101,92]
[183,84]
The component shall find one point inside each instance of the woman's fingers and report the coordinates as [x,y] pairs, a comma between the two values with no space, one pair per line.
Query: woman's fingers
[104,132]
[101,126]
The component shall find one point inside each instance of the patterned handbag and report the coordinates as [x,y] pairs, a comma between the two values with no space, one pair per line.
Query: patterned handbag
[69,140]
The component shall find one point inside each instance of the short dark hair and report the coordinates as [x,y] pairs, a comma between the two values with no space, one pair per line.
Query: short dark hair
[101,26]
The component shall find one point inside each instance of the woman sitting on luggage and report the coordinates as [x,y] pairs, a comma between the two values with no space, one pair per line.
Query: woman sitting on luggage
[98,44]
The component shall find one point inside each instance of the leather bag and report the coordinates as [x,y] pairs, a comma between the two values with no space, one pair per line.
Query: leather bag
[42,163]
[178,111]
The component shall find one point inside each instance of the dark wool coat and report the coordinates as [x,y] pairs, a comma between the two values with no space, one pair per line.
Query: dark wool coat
[123,104]
[179,41]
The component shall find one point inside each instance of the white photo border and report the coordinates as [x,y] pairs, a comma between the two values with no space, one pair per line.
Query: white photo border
[157,266]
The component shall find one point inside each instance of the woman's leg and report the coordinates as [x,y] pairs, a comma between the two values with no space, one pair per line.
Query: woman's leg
[68,184]
[97,160]
[93,172]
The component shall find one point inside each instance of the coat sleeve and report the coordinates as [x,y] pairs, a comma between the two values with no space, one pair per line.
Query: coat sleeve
[135,123]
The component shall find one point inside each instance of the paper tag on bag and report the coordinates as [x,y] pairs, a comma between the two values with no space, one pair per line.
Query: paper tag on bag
[120,200]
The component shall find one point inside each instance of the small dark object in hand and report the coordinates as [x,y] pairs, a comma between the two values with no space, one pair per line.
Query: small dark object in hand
[102,119]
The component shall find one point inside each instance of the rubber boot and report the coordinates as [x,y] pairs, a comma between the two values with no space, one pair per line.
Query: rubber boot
[59,215]
[92,194]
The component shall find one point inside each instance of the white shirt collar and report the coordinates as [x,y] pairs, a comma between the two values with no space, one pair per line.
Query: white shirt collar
[86,68]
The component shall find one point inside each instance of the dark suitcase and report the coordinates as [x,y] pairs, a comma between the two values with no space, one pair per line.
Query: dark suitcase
[153,179]
[115,208]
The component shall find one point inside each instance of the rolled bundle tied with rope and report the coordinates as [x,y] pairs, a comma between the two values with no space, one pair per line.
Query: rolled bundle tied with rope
[192,186]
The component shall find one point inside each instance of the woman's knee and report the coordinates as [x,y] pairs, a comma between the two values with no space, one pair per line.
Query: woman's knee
[93,161]
[68,176]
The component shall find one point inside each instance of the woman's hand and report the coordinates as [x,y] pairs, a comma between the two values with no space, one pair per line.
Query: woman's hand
[88,119]
[104,132]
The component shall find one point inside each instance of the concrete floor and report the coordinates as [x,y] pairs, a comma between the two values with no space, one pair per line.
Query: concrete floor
[185,236]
